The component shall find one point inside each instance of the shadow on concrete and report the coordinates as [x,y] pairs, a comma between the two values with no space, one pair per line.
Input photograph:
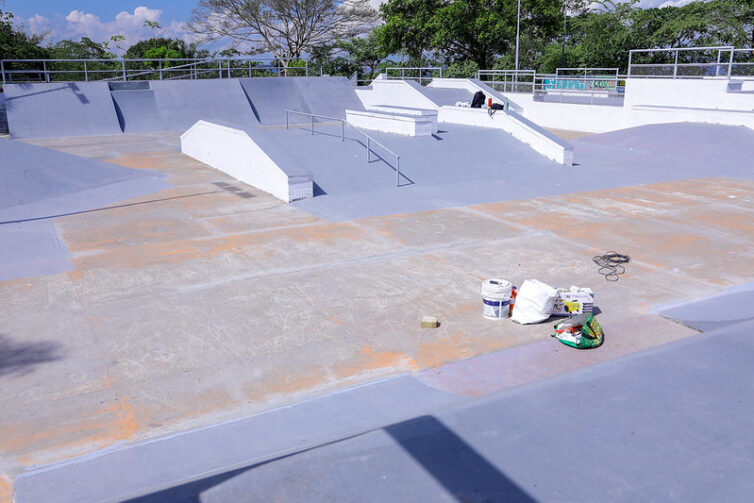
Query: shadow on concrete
[21,357]
[243,194]
[464,473]
[72,86]
[453,463]
[117,206]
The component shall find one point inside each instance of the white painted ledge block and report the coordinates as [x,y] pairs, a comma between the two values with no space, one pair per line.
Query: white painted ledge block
[231,150]
[405,125]
[419,112]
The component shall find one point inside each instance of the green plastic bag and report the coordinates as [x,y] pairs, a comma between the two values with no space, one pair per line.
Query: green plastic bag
[581,332]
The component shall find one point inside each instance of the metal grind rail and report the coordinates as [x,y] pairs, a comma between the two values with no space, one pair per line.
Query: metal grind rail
[343,124]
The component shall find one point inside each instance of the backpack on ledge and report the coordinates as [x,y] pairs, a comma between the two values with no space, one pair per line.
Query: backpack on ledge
[478,100]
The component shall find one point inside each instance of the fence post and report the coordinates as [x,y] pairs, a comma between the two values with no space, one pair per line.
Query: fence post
[249,69]
[123,64]
[675,65]
[86,73]
[730,64]
[630,53]
[286,119]
[160,63]
[219,69]
[229,74]
[2,69]
[44,69]
[307,68]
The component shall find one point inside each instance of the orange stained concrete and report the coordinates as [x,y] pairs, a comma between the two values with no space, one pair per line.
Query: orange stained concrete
[6,489]
[212,300]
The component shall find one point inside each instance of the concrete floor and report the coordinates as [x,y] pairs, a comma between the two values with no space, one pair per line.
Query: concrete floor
[212,300]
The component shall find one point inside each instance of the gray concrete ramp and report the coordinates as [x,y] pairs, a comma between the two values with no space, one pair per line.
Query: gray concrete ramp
[182,103]
[60,110]
[445,97]
[137,111]
[38,185]
[271,96]
[330,96]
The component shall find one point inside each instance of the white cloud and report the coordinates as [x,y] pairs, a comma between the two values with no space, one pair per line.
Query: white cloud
[131,25]
[675,3]
[645,4]
[38,24]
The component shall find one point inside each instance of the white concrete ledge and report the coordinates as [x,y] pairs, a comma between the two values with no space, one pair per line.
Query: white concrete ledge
[406,125]
[421,112]
[229,148]
[513,123]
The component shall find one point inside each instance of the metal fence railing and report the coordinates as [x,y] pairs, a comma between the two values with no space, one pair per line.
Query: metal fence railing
[419,74]
[343,124]
[68,70]
[574,85]
[509,81]
[691,63]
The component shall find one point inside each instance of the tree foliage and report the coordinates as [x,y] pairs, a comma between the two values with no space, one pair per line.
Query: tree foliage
[284,28]
[159,47]
[476,30]
[365,53]
[17,44]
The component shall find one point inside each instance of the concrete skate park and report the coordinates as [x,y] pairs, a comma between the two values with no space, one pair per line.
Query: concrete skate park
[211,290]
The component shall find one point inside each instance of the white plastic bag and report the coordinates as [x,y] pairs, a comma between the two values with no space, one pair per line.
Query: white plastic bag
[534,302]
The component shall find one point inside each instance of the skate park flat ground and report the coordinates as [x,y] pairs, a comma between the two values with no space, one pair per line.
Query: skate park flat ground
[210,301]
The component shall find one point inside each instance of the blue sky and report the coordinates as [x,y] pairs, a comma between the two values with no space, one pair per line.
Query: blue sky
[100,19]
[171,9]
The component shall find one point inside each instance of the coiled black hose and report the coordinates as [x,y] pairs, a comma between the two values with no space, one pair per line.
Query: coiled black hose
[611,264]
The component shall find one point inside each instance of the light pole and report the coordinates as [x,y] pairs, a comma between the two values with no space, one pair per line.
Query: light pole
[562,48]
[518,31]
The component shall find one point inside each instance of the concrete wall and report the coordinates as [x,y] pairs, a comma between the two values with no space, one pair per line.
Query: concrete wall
[649,101]
[569,116]
[230,148]
[520,128]
[60,110]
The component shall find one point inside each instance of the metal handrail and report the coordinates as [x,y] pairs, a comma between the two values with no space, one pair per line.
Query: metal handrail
[343,124]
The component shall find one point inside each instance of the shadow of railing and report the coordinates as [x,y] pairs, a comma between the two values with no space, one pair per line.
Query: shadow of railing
[465,474]
[21,357]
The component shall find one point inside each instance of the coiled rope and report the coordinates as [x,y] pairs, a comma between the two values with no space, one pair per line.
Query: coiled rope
[611,264]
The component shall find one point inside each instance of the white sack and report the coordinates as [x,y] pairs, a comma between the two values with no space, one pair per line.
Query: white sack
[534,302]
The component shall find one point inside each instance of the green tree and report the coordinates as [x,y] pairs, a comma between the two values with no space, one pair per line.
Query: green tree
[85,48]
[364,53]
[322,58]
[476,30]
[15,43]
[160,47]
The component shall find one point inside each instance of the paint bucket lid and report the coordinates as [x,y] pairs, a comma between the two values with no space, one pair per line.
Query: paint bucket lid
[496,288]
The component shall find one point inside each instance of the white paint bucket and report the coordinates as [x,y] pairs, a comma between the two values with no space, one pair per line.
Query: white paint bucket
[496,298]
